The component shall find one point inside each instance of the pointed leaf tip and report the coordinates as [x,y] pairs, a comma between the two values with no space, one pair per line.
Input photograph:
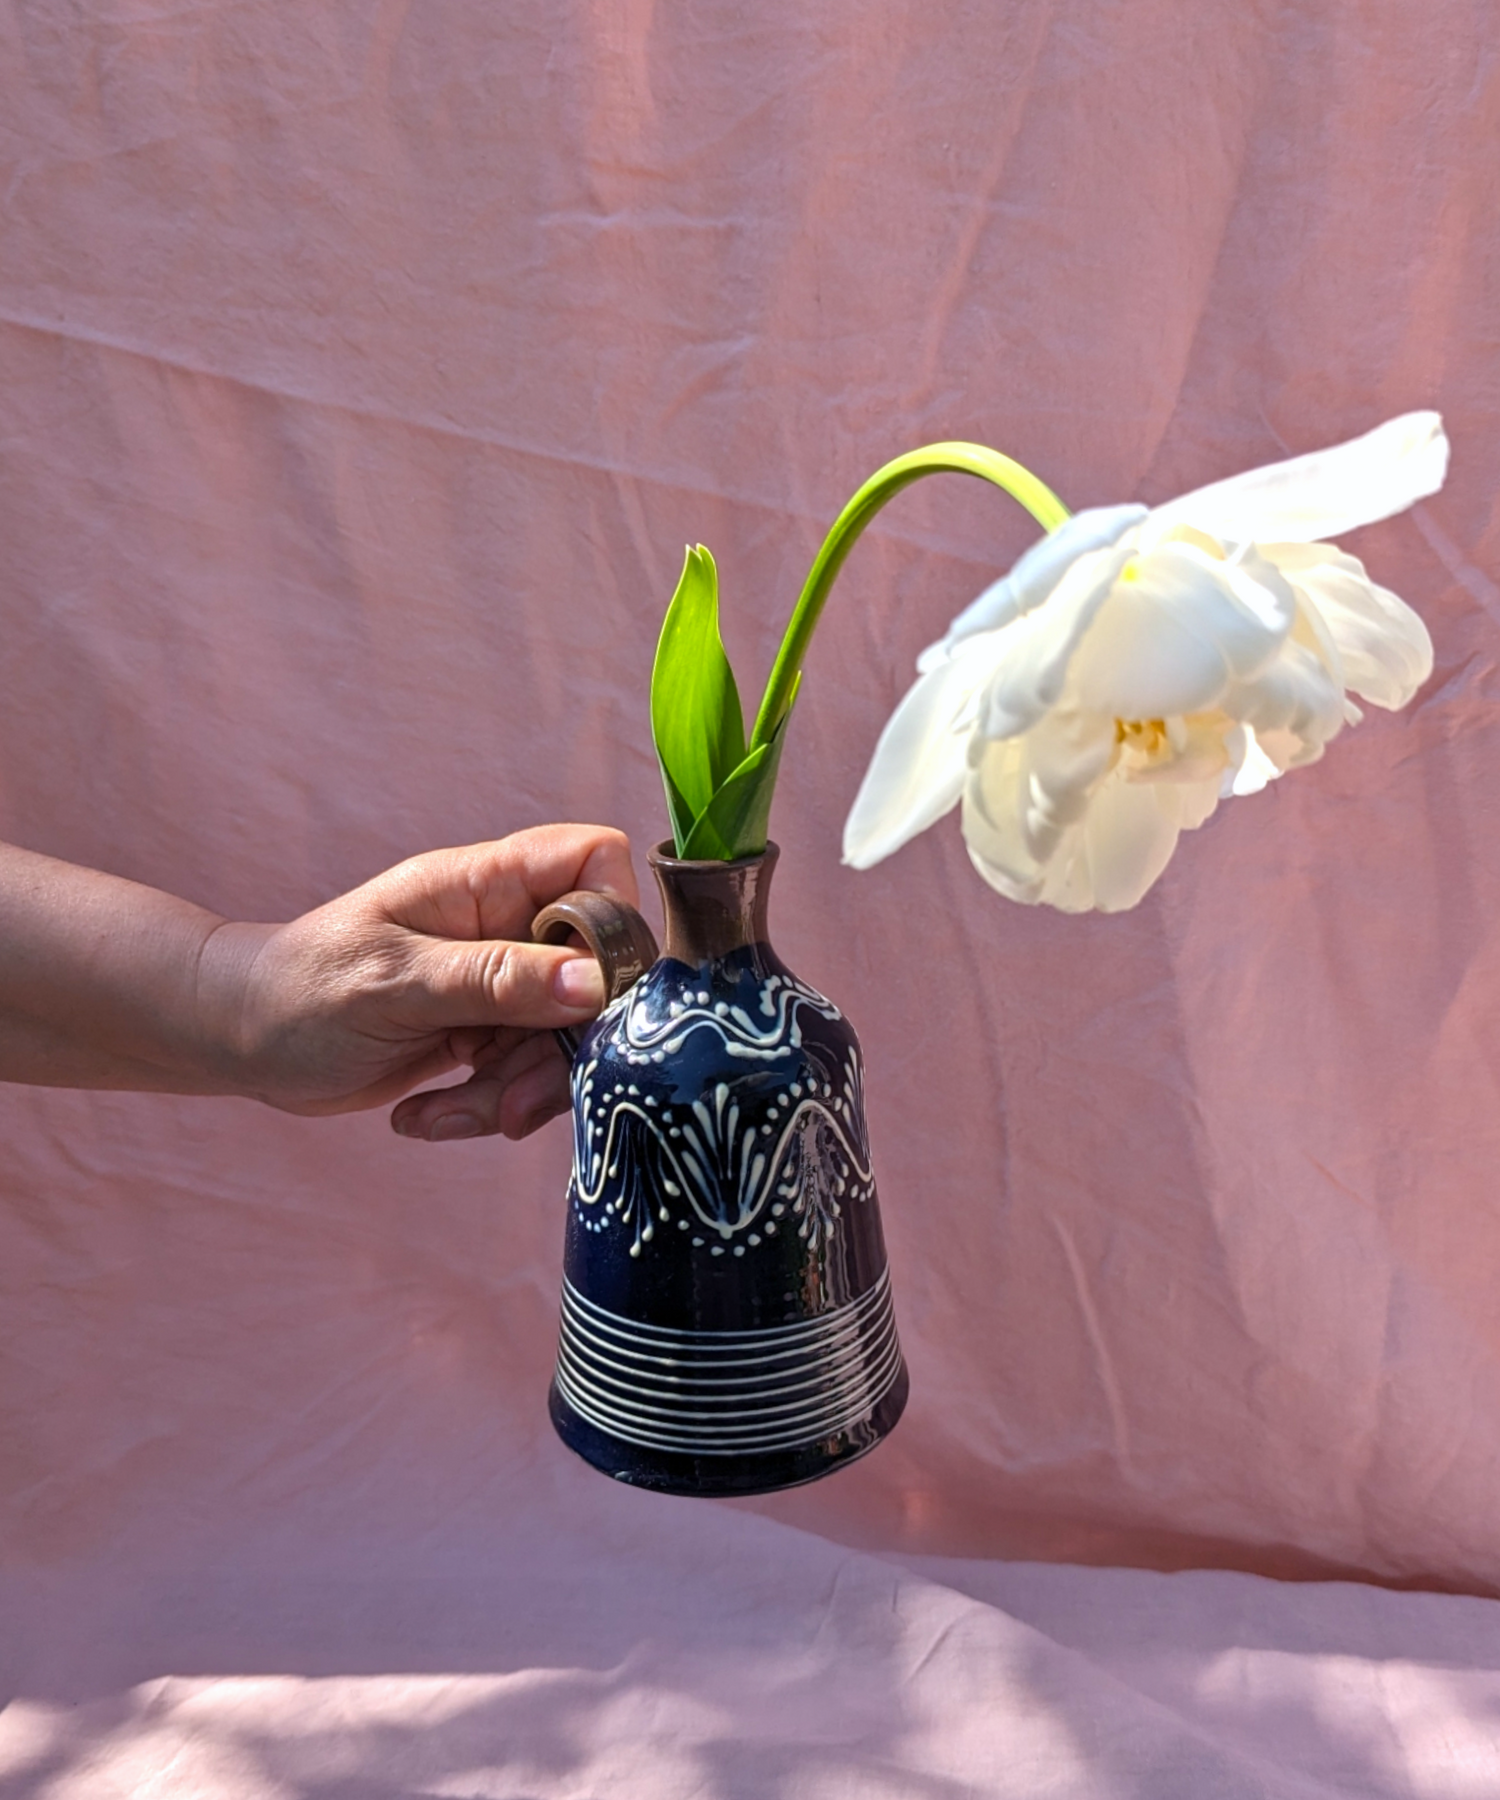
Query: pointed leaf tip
[696,720]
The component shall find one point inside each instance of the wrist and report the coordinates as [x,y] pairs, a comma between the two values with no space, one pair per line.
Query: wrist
[228,1032]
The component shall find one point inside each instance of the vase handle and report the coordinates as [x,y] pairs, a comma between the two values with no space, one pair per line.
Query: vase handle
[620,940]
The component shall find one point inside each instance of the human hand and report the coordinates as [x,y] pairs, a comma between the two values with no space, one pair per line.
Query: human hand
[424,969]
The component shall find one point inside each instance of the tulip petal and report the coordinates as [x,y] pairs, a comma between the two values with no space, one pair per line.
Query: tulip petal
[1189,804]
[1170,640]
[1036,574]
[1295,707]
[1024,893]
[917,771]
[1323,494]
[1384,648]
[1067,756]
[1038,649]
[1026,796]
[1256,770]
[994,799]
[1128,839]
[1105,861]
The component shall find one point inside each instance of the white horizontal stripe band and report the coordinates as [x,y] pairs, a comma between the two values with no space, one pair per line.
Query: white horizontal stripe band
[666,1439]
[842,1329]
[833,1372]
[707,1390]
[762,1338]
[838,1331]
[807,1420]
[834,1382]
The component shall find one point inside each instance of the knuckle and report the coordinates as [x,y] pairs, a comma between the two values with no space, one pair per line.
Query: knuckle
[510,975]
[614,843]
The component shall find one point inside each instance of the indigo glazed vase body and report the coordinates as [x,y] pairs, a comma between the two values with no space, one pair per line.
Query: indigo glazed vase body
[726,1313]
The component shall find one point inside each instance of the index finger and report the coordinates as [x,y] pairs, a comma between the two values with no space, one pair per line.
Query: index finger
[495,890]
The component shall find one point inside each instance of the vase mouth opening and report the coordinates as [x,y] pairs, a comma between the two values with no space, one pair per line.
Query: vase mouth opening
[661,856]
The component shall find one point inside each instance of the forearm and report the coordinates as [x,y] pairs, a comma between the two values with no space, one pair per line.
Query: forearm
[425,968]
[105,983]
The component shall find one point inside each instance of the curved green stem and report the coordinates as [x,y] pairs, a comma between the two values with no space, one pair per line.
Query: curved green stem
[961,459]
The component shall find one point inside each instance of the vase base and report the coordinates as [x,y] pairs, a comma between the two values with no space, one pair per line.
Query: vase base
[734,1473]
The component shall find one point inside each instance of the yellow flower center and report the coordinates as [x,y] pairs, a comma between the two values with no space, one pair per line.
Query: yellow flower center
[1146,738]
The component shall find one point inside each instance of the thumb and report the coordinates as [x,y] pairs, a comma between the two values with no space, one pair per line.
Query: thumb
[455,983]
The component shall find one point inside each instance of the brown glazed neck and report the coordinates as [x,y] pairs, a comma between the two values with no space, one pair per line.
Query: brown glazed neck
[712,908]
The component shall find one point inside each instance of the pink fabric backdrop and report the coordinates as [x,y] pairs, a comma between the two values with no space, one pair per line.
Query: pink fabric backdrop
[364,369]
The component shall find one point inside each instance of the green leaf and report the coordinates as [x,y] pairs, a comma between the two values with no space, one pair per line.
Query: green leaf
[736,820]
[678,810]
[695,706]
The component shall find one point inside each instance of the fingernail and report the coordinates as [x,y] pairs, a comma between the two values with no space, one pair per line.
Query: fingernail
[579,984]
[408,1126]
[454,1125]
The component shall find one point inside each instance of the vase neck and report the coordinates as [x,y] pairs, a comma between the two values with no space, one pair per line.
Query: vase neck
[712,908]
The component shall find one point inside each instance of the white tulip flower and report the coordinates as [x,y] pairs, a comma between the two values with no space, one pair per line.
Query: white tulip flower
[1136,666]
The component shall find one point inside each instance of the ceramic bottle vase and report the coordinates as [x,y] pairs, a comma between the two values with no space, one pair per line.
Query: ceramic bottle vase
[726,1310]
